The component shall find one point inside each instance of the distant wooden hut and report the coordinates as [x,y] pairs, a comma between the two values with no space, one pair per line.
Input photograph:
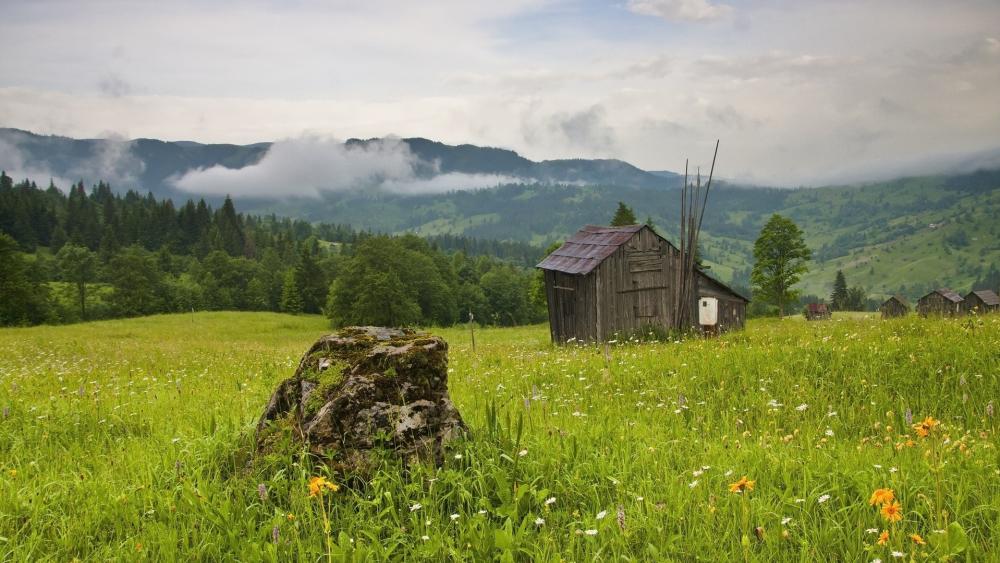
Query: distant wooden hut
[608,281]
[981,301]
[817,312]
[895,306]
[943,302]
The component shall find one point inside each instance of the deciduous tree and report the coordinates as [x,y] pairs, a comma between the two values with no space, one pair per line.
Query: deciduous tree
[780,256]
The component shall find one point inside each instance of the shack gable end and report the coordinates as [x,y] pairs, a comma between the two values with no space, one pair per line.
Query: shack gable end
[981,301]
[940,302]
[633,285]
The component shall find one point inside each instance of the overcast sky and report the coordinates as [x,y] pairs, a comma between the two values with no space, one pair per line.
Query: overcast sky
[800,92]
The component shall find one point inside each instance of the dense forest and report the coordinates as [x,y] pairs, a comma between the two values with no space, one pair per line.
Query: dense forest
[83,255]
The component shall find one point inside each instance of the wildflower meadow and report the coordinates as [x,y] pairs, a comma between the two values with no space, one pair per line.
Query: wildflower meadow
[854,439]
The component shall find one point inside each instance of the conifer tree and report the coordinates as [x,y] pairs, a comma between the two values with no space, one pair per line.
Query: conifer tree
[623,216]
[291,299]
[838,299]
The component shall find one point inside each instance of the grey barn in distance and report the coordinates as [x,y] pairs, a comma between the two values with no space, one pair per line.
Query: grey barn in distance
[605,282]
[981,301]
[942,301]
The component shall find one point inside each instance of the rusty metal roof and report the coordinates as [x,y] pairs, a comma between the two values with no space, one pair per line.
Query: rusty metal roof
[947,294]
[988,296]
[585,250]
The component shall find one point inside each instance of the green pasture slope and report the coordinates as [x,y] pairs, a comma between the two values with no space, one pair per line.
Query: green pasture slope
[128,440]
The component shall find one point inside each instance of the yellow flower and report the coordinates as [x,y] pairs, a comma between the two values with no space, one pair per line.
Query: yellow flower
[13,472]
[883,538]
[881,496]
[319,485]
[917,539]
[924,428]
[290,516]
[892,512]
[742,485]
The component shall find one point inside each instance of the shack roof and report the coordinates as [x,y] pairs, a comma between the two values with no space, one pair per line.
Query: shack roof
[902,300]
[946,293]
[816,307]
[725,287]
[585,250]
[987,295]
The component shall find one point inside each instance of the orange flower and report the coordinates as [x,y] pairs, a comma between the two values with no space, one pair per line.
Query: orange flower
[319,485]
[742,485]
[892,512]
[924,428]
[881,496]
[883,538]
[917,539]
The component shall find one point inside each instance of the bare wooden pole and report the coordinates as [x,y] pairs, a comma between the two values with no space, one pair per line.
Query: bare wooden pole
[472,331]
[694,201]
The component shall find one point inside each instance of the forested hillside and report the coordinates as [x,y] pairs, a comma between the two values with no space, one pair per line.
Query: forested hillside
[93,254]
[903,236]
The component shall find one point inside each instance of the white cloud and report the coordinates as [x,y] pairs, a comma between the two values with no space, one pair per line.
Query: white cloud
[681,10]
[112,161]
[312,165]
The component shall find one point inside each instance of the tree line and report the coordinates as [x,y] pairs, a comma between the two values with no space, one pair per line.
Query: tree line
[93,254]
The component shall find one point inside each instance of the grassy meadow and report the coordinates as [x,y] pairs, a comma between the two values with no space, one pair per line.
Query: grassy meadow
[130,440]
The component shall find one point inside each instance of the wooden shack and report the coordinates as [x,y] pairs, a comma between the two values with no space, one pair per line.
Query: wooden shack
[980,302]
[942,302]
[606,282]
[817,312]
[895,306]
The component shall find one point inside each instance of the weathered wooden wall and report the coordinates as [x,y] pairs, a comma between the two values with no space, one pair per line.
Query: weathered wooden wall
[973,303]
[893,308]
[634,286]
[732,310]
[937,304]
[571,299]
[629,292]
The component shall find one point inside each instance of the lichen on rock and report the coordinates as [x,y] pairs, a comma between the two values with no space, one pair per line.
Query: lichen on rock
[361,391]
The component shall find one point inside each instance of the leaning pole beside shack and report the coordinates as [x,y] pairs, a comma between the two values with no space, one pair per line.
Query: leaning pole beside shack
[694,200]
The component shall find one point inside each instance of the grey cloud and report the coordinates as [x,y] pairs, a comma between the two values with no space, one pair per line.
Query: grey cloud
[114,86]
[728,117]
[681,10]
[655,67]
[772,65]
[585,130]
[985,50]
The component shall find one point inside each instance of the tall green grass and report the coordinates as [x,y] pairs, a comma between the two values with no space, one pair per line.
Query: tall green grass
[130,440]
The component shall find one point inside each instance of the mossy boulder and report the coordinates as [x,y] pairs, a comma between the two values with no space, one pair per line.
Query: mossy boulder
[361,392]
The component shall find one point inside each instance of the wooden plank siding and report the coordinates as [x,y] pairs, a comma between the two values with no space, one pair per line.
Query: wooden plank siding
[634,285]
[894,307]
[936,304]
[732,311]
[627,292]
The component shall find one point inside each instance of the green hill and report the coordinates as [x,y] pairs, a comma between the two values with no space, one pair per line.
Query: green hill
[902,236]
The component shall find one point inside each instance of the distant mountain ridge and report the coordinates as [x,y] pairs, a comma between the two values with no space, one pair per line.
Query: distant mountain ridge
[899,236]
[150,164]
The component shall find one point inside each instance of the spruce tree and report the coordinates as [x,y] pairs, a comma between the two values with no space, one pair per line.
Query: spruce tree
[838,299]
[291,299]
[623,216]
